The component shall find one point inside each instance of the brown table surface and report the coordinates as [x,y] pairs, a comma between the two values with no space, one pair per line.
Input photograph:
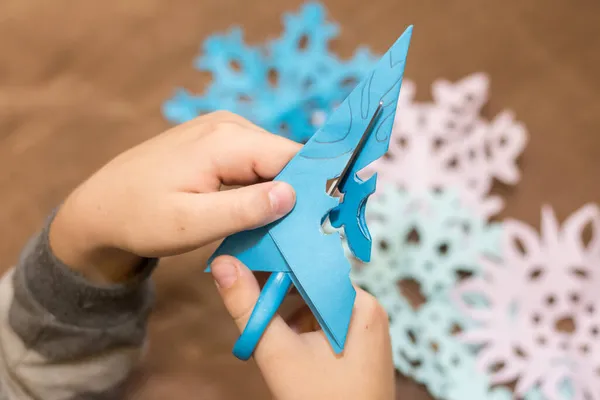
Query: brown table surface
[82,81]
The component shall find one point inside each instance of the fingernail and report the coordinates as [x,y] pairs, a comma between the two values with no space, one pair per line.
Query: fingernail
[225,274]
[282,198]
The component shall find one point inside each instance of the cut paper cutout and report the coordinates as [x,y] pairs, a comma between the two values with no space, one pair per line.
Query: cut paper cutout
[541,322]
[446,143]
[317,267]
[287,86]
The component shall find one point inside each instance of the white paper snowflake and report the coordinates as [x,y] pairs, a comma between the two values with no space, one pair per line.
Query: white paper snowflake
[541,322]
[445,143]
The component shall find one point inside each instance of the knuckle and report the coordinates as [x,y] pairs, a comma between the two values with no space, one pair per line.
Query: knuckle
[251,210]
[222,115]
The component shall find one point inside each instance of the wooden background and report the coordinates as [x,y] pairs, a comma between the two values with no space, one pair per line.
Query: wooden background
[80,81]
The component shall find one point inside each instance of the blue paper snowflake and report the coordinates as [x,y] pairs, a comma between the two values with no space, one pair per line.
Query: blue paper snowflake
[280,86]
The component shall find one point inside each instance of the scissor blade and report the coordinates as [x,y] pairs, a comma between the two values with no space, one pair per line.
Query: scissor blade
[344,175]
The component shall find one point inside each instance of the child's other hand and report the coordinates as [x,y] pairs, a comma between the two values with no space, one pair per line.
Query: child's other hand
[162,197]
[298,366]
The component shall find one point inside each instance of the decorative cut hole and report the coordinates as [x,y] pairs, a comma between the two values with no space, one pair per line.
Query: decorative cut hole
[497,367]
[438,143]
[550,300]
[411,336]
[273,77]
[584,348]
[579,272]
[536,274]
[383,245]
[594,331]
[574,298]
[564,345]
[308,83]
[411,290]
[453,163]
[451,124]
[434,347]
[443,248]
[519,352]
[413,363]
[388,156]
[455,361]
[303,42]
[565,325]
[235,65]
[502,141]
[472,154]
[437,189]
[462,274]
[456,329]
[537,318]
[587,233]
[402,142]
[519,245]
[469,97]
[413,236]
[590,308]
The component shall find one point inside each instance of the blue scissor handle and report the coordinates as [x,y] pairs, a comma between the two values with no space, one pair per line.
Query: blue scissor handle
[270,299]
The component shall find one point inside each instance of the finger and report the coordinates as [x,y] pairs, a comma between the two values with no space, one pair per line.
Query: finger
[239,291]
[369,323]
[212,216]
[367,316]
[244,156]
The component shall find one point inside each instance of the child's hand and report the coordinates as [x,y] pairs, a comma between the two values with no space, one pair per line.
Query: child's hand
[303,366]
[162,197]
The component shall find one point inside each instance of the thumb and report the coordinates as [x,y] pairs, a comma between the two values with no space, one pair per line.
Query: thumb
[235,210]
[239,290]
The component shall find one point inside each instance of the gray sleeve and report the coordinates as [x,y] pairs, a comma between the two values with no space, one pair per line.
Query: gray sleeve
[63,338]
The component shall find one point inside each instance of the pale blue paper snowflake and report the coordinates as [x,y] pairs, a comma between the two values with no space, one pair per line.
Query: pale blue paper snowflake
[426,350]
[429,237]
[283,86]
